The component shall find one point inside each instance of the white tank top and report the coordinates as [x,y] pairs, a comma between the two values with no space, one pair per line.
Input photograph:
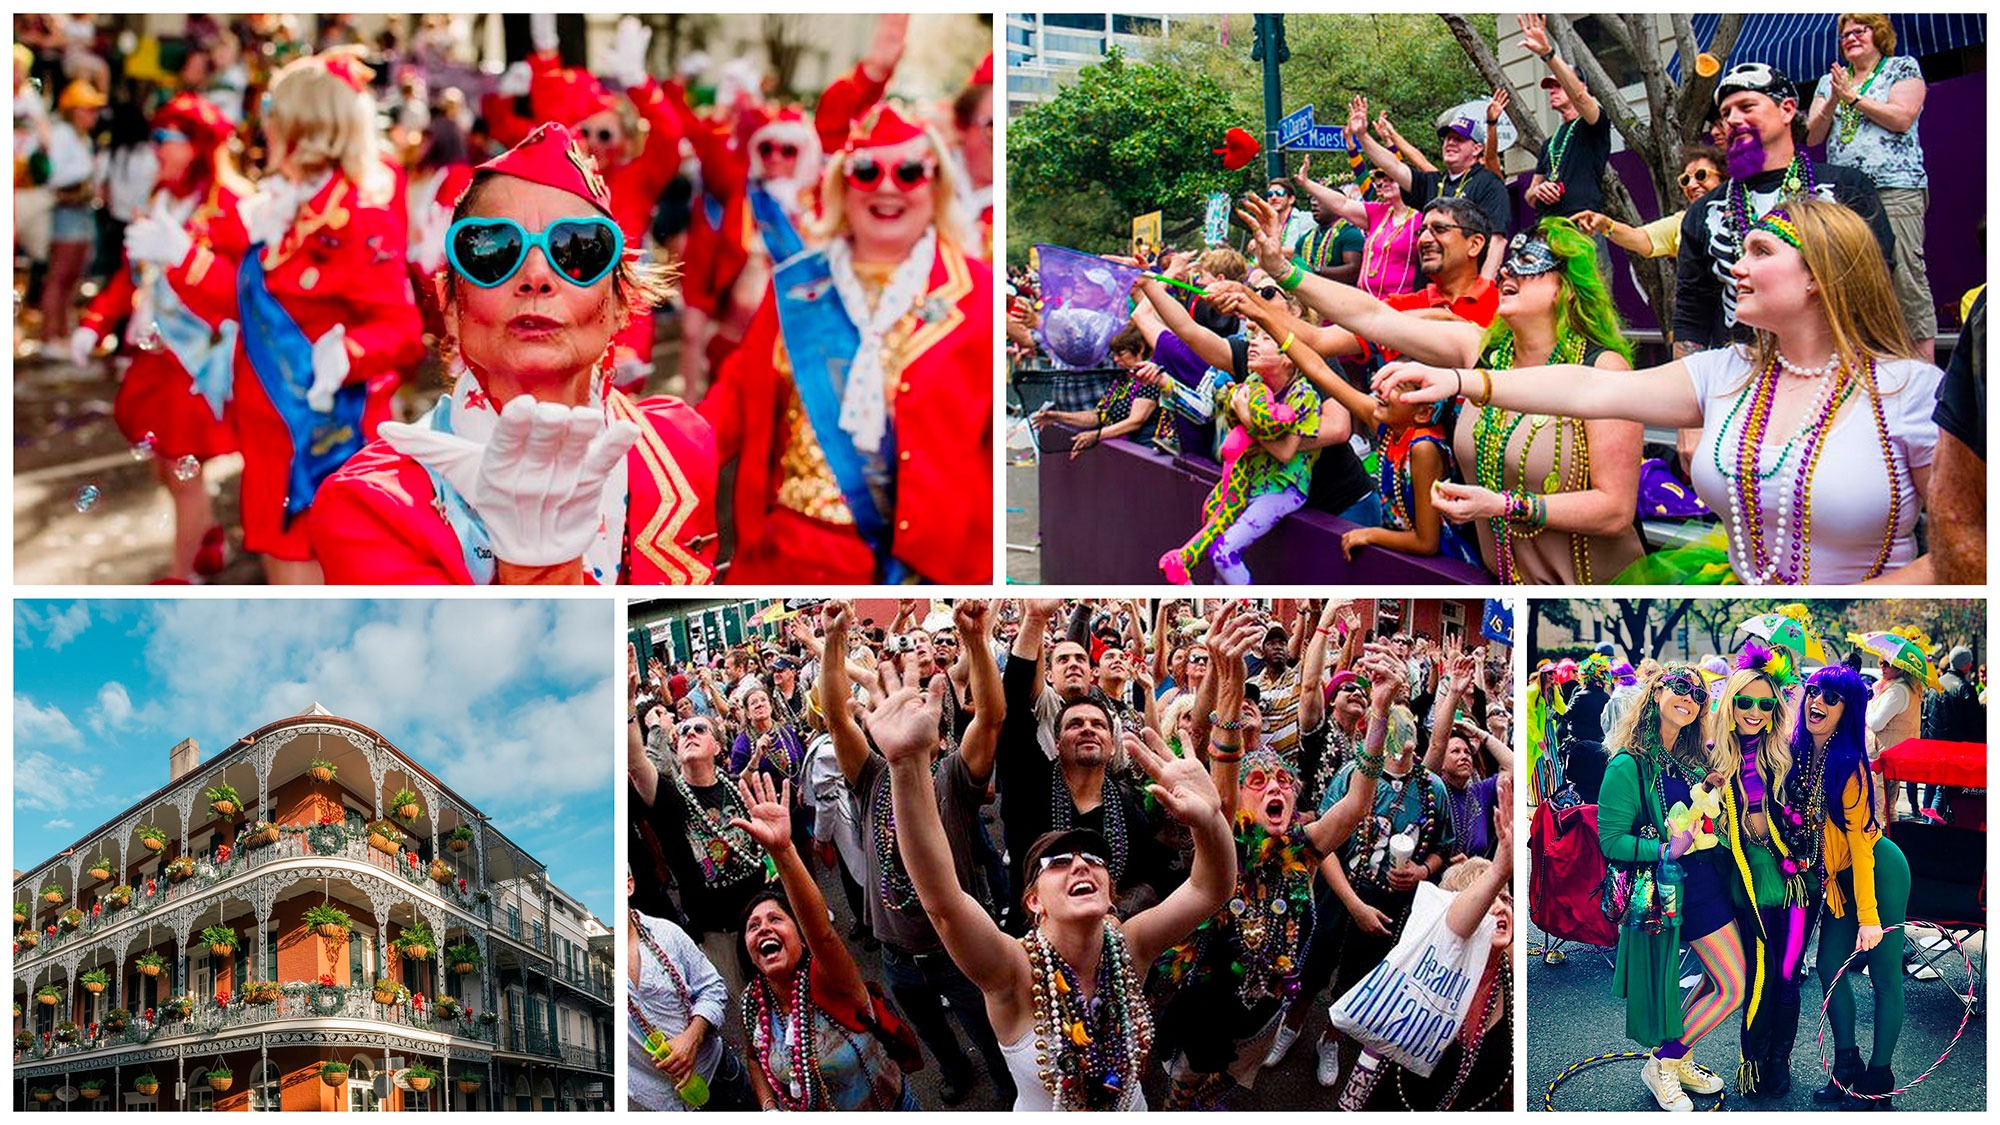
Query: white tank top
[1031,1095]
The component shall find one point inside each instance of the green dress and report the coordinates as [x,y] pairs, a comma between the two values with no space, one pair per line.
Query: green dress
[1646,974]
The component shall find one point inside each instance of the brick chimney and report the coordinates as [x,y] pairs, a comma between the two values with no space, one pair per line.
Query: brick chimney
[182,759]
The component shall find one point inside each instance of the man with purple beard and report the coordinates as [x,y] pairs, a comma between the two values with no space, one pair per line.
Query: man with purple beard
[1766,165]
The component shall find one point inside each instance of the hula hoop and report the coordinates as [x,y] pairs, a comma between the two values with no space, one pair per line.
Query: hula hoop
[1819,1041]
[1549,1095]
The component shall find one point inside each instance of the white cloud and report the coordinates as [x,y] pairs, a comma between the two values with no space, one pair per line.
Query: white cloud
[45,782]
[60,822]
[56,625]
[113,710]
[35,725]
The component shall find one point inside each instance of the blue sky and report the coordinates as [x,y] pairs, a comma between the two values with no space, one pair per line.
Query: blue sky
[509,702]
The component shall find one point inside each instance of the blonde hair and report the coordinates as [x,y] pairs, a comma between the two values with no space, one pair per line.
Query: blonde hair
[319,122]
[1846,267]
[1774,757]
[1224,262]
[1461,875]
[831,223]
[1885,36]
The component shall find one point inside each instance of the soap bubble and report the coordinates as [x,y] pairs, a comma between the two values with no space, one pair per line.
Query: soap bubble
[87,497]
[143,448]
[187,468]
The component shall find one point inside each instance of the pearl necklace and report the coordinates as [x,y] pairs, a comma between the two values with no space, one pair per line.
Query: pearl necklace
[1832,363]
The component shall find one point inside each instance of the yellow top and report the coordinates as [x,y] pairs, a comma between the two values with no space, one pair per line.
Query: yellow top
[1854,848]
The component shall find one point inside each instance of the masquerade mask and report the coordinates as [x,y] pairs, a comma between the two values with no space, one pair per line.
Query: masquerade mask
[1529,257]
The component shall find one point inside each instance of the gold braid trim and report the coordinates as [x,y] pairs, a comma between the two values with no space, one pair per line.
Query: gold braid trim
[1735,823]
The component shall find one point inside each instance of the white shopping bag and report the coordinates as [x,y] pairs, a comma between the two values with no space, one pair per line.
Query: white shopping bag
[1408,1007]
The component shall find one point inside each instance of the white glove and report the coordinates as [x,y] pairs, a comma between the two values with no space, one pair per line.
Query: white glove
[542,30]
[628,53]
[82,343]
[268,214]
[330,368]
[538,483]
[155,237]
[515,80]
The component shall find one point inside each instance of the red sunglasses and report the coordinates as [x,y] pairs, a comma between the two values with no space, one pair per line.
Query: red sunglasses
[865,173]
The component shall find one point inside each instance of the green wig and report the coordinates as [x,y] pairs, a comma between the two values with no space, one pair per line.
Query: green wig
[1584,303]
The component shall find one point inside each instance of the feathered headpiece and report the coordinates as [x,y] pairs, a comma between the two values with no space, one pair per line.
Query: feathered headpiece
[1776,664]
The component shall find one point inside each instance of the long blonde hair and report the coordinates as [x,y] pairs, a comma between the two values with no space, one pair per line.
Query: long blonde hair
[950,225]
[318,120]
[1847,270]
[1774,757]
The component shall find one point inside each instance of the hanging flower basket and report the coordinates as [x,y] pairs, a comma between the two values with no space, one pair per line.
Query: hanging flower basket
[23,1040]
[468,1086]
[101,868]
[155,839]
[220,1080]
[406,805]
[28,939]
[390,993]
[259,835]
[261,992]
[146,1085]
[440,871]
[116,1018]
[176,1008]
[96,981]
[222,799]
[448,1007]
[322,770]
[52,894]
[460,838]
[152,964]
[221,940]
[20,913]
[71,919]
[49,994]
[91,1090]
[180,870]
[464,958]
[119,897]
[44,1095]
[66,1032]
[418,1082]
[416,942]
[333,1074]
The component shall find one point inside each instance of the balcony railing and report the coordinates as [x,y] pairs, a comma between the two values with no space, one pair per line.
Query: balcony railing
[154,894]
[210,1019]
[588,1058]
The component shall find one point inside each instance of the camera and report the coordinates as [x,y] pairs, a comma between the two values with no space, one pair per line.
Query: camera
[899,644]
[793,605]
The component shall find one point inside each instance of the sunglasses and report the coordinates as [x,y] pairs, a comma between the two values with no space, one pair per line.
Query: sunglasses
[693,726]
[603,136]
[164,136]
[767,149]
[1258,779]
[1355,686]
[1277,193]
[1268,292]
[487,252]
[1202,659]
[865,173]
[1698,176]
[1687,685]
[1064,859]
[1822,691]
[1755,703]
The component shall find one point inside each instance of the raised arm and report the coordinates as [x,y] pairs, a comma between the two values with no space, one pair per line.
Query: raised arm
[835,688]
[989,701]
[1209,347]
[1380,157]
[770,824]
[1386,683]
[1470,906]
[1657,396]
[1312,669]
[905,726]
[1451,692]
[1353,210]
[1205,696]
[1535,40]
[1182,787]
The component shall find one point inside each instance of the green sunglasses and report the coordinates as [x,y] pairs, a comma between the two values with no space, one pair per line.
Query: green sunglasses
[1758,702]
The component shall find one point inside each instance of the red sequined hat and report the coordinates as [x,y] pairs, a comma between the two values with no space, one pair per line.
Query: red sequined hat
[568,96]
[196,118]
[551,156]
[882,127]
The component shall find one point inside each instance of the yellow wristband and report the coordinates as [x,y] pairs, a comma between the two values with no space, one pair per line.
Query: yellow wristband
[1290,338]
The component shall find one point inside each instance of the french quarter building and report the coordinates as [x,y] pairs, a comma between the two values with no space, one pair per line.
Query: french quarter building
[308,921]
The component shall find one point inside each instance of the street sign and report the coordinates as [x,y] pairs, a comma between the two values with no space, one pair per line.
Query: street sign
[1295,125]
[1322,138]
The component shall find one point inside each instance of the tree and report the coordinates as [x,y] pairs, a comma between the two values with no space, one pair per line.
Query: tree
[785,38]
[1673,111]
[1641,627]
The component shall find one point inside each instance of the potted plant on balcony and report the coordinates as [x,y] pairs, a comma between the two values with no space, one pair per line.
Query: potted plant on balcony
[460,838]
[390,992]
[406,805]
[447,1007]
[260,834]
[23,1040]
[180,869]
[329,922]
[223,801]
[146,1084]
[102,867]
[416,942]
[66,1031]
[468,1083]
[21,912]
[155,839]
[91,1089]
[419,1077]
[52,894]
[152,964]
[464,958]
[220,940]
[43,1094]
[488,1019]
[322,770]
[117,1018]
[333,1074]
[96,980]
[261,991]
[119,897]
[220,1079]
[441,871]
[49,994]
[176,1007]
[28,939]
[70,919]
[384,836]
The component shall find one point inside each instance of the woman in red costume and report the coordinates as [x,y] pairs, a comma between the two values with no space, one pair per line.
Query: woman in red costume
[859,408]
[172,403]
[323,300]
[636,169]
[532,470]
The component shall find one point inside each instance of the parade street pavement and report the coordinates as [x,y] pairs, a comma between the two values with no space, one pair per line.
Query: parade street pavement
[1573,1016]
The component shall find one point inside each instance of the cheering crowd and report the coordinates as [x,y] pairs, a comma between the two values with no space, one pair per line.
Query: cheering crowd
[1126,852]
[1452,376]
[289,231]
[1741,815]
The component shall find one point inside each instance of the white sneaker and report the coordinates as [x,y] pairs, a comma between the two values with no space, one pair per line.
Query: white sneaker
[1665,1086]
[1329,1063]
[1694,1078]
[1281,1046]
